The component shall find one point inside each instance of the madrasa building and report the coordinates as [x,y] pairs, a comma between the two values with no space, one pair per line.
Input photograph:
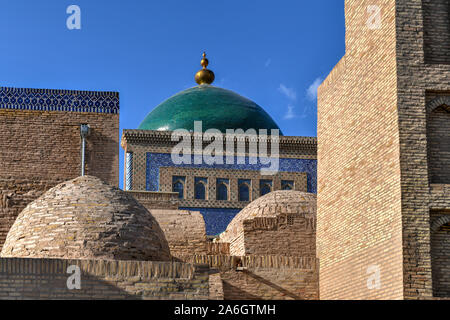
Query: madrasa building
[222,189]
[378,228]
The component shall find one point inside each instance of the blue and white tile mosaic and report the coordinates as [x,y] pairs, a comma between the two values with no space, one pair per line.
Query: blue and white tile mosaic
[129,171]
[59,100]
[157,160]
[216,219]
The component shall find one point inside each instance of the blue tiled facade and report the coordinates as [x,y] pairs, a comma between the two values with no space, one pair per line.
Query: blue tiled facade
[59,100]
[157,160]
[216,219]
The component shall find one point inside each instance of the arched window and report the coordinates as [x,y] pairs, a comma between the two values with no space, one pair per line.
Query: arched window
[265,187]
[200,188]
[440,257]
[178,186]
[244,189]
[222,189]
[222,192]
[244,192]
[438,137]
[287,185]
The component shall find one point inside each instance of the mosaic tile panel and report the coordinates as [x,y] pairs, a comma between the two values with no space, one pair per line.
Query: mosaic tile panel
[59,100]
[157,160]
[216,219]
[129,171]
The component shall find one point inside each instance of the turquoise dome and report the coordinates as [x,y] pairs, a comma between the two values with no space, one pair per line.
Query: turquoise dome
[216,107]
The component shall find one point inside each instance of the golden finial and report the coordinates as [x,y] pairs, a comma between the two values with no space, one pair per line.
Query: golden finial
[204,76]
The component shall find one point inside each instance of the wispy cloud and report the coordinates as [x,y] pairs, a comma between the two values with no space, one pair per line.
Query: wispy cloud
[311,92]
[290,114]
[268,62]
[290,93]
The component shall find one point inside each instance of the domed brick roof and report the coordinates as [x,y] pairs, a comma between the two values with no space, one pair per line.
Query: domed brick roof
[271,205]
[217,108]
[85,218]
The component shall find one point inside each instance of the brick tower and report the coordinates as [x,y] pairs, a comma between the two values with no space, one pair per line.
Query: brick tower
[384,155]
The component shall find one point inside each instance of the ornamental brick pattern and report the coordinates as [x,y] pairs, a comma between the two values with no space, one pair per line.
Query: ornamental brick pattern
[374,195]
[279,223]
[86,218]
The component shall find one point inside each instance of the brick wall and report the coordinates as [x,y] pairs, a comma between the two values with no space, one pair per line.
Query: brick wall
[285,235]
[184,231]
[374,194]
[101,279]
[359,199]
[43,148]
[416,80]
[156,200]
[264,277]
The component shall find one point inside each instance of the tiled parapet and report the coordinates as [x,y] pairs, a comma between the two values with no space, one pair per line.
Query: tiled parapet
[59,100]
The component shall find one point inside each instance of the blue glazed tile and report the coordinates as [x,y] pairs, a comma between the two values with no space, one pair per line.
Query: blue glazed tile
[216,219]
[157,160]
[61,100]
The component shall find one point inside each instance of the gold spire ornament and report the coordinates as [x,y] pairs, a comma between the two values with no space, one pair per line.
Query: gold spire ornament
[204,76]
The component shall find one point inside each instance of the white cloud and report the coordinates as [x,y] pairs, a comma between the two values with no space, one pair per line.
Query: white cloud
[268,62]
[291,94]
[290,114]
[311,92]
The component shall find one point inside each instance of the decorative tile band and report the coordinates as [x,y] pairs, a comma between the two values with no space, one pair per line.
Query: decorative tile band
[156,160]
[59,100]
[129,172]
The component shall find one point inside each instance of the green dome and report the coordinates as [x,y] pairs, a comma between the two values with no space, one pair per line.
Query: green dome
[216,107]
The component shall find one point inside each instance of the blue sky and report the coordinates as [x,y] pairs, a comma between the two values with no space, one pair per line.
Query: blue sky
[273,52]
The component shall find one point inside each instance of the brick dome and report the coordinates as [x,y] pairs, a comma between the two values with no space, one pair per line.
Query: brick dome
[86,218]
[271,205]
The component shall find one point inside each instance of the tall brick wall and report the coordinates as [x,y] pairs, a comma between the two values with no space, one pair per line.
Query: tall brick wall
[43,148]
[359,199]
[436,22]
[417,80]
[374,196]
[101,279]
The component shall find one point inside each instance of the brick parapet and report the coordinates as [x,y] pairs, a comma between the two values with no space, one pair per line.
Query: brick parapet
[102,279]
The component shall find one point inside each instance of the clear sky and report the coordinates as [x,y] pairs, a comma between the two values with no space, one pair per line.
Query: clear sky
[272,52]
